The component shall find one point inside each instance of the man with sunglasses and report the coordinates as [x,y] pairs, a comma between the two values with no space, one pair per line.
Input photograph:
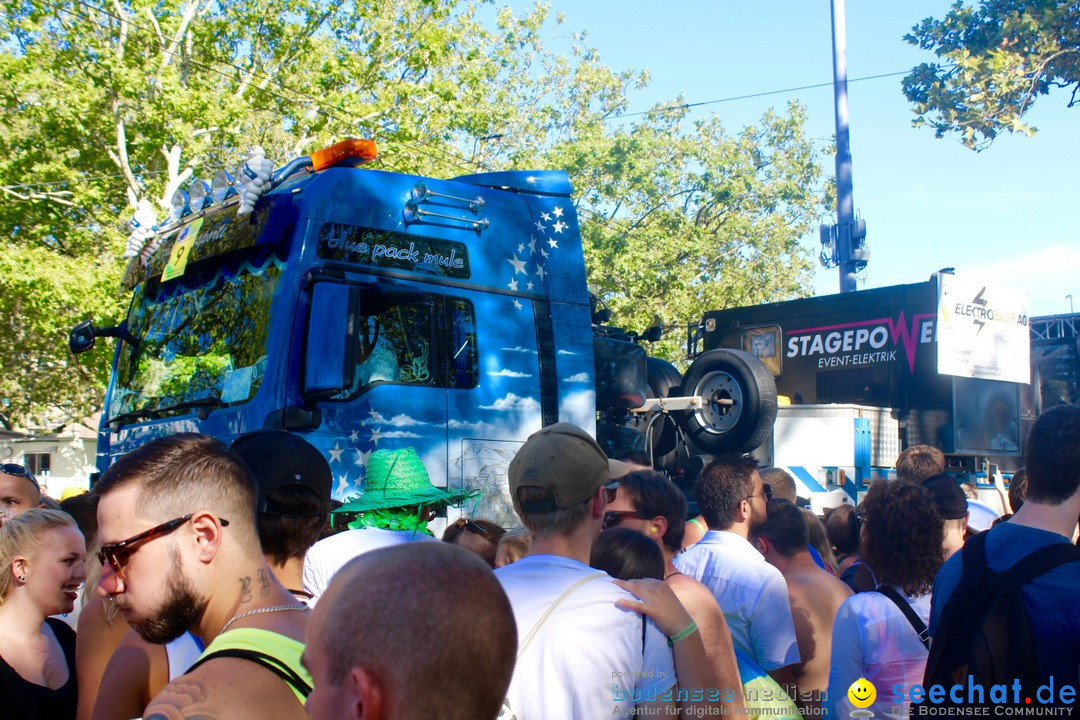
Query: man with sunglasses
[752,593]
[19,491]
[180,551]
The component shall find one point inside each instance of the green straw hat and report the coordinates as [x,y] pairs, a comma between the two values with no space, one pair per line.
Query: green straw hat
[396,479]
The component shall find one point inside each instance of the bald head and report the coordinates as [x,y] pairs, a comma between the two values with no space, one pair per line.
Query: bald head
[426,626]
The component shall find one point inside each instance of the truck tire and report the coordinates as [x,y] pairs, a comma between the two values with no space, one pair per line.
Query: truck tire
[662,378]
[741,426]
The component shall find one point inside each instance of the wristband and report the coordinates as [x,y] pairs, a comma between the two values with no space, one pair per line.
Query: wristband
[683,634]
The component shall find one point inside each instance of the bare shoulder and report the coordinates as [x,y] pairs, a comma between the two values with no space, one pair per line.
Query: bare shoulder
[816,587]
[97,630]
[695,597]
[226,688]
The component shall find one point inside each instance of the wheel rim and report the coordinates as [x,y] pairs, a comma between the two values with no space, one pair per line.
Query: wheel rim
[713,417]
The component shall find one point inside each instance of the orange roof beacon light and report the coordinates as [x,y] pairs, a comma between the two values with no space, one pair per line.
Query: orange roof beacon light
[350,152]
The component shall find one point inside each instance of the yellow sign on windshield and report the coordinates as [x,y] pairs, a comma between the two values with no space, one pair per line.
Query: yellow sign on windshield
[178,258]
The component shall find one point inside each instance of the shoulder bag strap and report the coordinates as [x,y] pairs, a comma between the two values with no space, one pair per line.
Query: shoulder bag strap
[547,613]
[909,613]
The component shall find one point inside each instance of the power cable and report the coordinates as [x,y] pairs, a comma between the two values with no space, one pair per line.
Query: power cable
[22,186]
[687,106]
[344,116]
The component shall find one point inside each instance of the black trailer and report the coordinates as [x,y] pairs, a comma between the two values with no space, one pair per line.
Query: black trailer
[878,348]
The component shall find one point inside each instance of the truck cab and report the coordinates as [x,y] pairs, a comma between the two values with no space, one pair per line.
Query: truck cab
[365,309]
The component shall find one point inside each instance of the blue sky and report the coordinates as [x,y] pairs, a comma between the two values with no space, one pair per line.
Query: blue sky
[1007,215]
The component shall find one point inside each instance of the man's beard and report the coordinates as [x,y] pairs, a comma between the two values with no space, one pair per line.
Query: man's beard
[180,611]
[757,519]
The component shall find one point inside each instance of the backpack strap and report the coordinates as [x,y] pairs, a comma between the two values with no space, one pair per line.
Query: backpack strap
[269,662]
[978,578]
[1040,561]
[912,617]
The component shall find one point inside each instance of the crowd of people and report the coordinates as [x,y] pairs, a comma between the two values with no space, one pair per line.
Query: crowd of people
[223,581]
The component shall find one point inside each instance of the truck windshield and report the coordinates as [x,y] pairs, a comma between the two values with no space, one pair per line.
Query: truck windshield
[199,340]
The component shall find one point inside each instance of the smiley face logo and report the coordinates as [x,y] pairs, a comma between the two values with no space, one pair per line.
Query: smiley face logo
[862,693]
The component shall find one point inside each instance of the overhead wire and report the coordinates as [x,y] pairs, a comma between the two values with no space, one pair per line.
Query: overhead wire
[344,116]
[687,106]
[30,186]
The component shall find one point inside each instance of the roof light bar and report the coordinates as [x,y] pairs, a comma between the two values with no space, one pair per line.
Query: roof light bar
[349,152]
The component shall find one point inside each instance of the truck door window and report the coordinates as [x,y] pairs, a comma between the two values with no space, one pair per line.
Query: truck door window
[414,340]
[394,342]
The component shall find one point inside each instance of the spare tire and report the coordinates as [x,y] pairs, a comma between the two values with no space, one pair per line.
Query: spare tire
[663,380]
[737,376]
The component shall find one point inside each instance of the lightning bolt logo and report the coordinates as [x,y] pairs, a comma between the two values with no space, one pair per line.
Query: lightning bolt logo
[981,302]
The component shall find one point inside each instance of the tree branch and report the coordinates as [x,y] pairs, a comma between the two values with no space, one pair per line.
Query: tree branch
[121,42]
[56,196]
[312,26]
[1037,74]
[157,27]
[253,55]
[120,155]
[178,37]
[176,176]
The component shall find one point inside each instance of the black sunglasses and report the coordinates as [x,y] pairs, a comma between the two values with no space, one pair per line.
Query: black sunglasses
[609,491]
[766,489]
[613,518]
[859,519]
[19,471]
[491,535]
[117,554]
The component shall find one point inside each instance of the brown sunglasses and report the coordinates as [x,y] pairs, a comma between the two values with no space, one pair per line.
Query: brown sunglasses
[117,554]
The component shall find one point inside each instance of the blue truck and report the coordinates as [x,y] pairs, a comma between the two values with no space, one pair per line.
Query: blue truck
[367,309]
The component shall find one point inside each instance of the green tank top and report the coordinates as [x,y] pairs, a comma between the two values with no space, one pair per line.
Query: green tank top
[275,652]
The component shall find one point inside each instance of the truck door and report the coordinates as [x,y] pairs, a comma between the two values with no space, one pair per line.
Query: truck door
[492,411]
[396,378]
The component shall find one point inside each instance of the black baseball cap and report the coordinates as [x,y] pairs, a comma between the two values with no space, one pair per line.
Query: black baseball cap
[278,458]
[948,498]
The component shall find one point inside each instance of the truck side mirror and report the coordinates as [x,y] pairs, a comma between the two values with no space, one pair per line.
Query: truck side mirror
[331,343]
[81,337]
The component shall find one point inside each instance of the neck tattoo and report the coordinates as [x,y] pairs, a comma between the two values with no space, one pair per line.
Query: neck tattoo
[260,611]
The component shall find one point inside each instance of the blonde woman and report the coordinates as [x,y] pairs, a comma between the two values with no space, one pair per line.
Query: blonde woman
[42,567]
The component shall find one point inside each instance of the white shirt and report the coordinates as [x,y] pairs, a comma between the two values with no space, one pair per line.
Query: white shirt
[873,639]
[329,555]
[587,659]
[182,653]
[751,592]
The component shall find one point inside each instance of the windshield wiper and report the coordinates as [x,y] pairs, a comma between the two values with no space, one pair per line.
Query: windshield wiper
[117,420]
[203,404]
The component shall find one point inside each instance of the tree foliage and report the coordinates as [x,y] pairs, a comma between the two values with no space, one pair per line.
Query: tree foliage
[108,102]
[678,220]
[998,57]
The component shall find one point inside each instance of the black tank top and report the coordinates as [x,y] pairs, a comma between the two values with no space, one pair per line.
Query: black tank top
[20,698]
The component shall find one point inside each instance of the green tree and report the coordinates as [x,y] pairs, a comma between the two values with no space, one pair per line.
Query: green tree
[110,103]
[998,57]
[678,220]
